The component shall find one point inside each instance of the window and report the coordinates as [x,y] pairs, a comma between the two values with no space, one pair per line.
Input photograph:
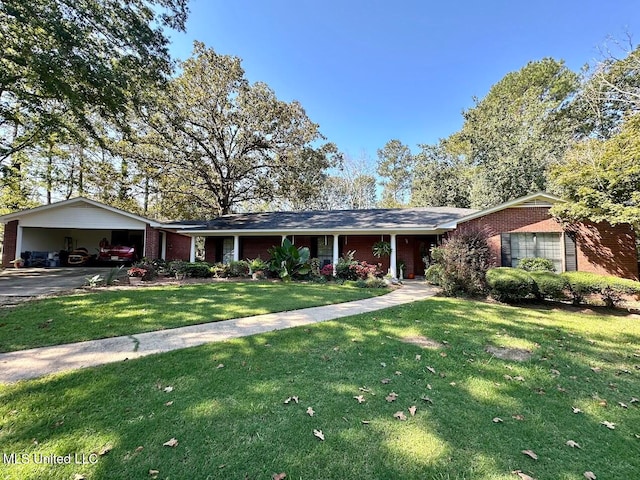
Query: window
[325,250]
[544,245]
[227,250]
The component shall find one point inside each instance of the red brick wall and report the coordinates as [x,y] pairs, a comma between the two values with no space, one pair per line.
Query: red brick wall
[9,245]
[363,245]
[600,248]
[210,249]
[178,247]
[152,243]
[253,247]
[606,250]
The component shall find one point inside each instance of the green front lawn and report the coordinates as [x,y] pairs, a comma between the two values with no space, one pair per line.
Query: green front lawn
[111,313]
[475,413]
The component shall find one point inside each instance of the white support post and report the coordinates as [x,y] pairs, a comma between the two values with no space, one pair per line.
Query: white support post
[284,237]
[236,248]
[394,257]
[336,252]
[18,243]
[192,254]
[163,248]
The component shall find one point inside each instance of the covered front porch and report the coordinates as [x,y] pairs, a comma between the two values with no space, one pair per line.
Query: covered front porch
[407,249]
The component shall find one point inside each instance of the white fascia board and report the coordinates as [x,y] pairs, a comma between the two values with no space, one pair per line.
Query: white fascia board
[314,231]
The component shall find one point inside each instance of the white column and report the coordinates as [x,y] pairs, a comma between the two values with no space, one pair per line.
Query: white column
[283,239]
[192,254]
[18,243]
[336,252]
[394,257]
[163,248]
[236,248]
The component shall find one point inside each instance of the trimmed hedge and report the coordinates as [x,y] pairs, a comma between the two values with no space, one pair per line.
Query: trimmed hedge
[549,285]
[611,289]
[513,284]
[536,264]
[510,284]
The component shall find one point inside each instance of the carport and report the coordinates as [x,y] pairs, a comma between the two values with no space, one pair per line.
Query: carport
[44,235]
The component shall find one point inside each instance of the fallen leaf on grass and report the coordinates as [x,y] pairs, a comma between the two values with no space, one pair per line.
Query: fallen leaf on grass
[518,417]
[385,380]
[220,365]
[382,364]
[319,434]
[589,475]
[391,397]
[400,415]
[139,449]
[365,422]
[418,358]
[634,400]
[596,369]
[168,389]
[555,372]
[576,410]
[79,476]
[623,405]
[170,443]
[360,399]
[168,404]
[497,420]
[426,399]
[279,476]
[431,369]
[310,411]
[412,410]
[398,372]
[530,453]
[522,475]
[573,444]
[153,472]
[289,399]
[609,425]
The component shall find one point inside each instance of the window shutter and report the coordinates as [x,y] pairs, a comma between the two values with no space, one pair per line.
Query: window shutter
[570,257]
[505,249]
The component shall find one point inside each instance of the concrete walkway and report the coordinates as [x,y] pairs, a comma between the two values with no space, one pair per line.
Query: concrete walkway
[38,362]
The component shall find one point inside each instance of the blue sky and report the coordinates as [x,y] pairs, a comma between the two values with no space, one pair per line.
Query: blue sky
[372,71]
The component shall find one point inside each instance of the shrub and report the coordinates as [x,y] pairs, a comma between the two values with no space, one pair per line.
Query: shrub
[151,272]
[327,271]
[364,270]
[343,267]
[536,264]
[465,259]
[433,274]
[611,289]
[238,268]
[197,270]
[549,285]
[510,284]
[177,268]
[219,270]
[257,265]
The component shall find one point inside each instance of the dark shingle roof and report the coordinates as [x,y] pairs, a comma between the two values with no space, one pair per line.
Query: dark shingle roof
[400,218]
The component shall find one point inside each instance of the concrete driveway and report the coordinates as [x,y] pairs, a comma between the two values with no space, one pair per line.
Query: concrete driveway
[30,282]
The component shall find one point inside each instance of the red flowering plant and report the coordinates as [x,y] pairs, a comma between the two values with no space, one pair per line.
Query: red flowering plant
[136,272]
[366,270]
[327,271]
